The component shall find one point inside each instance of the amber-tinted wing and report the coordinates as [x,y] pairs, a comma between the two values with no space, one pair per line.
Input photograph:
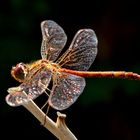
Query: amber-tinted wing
[65,91]
[81,52]
[32,88]
[54,39]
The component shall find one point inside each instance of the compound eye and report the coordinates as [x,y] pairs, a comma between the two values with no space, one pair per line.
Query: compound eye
[19,72]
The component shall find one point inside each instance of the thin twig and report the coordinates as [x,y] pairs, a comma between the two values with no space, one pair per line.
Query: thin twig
[58,128]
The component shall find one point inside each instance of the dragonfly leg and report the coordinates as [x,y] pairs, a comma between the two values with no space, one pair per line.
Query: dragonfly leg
[46,114]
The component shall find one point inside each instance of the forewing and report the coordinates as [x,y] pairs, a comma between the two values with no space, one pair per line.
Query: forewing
[65,91]
[30,89]
[81,52]
[16,96]
[54,39]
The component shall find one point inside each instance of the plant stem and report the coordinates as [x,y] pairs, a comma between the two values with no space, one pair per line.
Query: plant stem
[58,128]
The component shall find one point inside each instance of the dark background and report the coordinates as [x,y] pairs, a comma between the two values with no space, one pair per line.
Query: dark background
[108,109]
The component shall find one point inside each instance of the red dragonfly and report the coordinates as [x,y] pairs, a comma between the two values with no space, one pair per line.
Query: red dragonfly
[67,72]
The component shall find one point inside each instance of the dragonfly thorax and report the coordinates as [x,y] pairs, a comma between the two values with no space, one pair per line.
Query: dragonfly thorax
[55,66]
[50,65]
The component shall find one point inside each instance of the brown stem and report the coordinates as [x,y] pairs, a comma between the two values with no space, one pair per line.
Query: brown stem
[59,129]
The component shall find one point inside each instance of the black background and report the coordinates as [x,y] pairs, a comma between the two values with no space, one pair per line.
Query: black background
[108,109]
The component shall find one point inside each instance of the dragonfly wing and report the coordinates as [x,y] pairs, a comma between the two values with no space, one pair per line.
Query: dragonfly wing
[81,52]
[65,91]
[30,89]
[54,40]
[16,96]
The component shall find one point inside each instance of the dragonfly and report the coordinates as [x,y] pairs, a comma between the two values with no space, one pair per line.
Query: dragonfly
[66,72]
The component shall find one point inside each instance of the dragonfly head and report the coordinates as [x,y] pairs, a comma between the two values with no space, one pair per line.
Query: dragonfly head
[19,72]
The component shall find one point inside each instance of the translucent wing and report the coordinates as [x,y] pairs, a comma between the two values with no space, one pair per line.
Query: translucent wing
[33,88]
[54,39]
[65,91]
[81,52]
